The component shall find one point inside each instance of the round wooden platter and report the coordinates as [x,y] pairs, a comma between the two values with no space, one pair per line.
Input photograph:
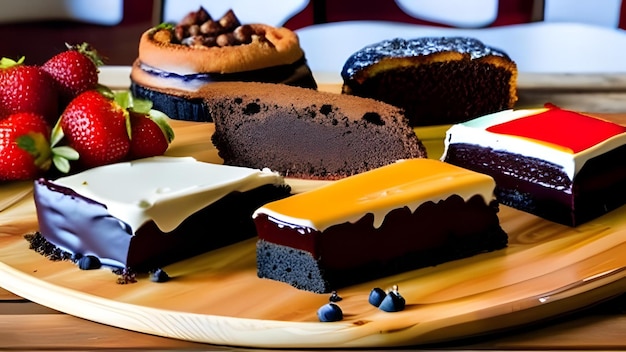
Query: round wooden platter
[547,270]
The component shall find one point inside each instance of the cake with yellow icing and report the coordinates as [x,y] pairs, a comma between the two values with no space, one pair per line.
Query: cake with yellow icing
[559,164]
[436,80]
[175,59]
[410,214]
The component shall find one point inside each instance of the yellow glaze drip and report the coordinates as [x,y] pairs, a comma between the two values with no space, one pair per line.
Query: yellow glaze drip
[407,183]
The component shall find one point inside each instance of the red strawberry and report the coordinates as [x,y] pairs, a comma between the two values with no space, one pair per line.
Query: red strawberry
[74,71]
[26,88]
[97,128]
[150,135]
[24,146]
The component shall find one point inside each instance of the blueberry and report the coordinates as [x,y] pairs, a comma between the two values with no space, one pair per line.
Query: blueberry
[393,302]
[159,275]
[329,312]
[334,297]
[376,296]
[89,262]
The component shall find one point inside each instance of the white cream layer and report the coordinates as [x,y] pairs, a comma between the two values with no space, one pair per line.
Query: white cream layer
[475,132]
[164,189]
[185,81]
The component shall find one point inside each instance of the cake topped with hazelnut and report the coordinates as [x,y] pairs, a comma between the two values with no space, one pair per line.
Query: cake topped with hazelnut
[199,50]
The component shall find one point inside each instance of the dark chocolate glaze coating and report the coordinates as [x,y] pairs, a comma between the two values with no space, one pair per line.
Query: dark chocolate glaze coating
[399,47]
[82,226]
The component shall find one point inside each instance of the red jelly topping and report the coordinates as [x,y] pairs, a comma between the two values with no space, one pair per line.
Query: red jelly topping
[565,128]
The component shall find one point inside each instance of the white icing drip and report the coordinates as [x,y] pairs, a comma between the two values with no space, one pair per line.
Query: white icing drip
[164,189]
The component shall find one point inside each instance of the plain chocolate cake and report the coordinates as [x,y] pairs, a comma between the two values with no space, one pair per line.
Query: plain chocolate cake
[437,80]
[200,50]
[304,133]
[403,216]
[562,165]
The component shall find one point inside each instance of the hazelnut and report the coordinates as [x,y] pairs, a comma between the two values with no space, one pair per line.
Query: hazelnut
[211,28]
[163,36]
[243,34]
[194,29]
[225,39]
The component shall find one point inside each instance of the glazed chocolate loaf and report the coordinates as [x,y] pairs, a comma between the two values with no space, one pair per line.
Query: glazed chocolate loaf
[436,80]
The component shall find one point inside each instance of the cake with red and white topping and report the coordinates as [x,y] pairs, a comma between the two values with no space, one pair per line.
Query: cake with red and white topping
[562,165]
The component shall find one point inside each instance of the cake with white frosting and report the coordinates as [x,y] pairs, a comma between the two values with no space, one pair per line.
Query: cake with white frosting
[410,214]
[144,214]
[562,165]
[177,59]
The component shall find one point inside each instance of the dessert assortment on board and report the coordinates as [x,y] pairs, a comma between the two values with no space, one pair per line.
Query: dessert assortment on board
[436,80]
[176,59]
[562,165]
[389,207]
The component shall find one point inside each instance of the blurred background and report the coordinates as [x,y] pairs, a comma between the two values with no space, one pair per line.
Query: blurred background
[38,29]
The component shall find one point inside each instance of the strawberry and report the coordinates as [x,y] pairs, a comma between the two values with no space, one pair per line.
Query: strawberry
[25,88]
[150,134]
[96,127]
[74,71]
[24,146]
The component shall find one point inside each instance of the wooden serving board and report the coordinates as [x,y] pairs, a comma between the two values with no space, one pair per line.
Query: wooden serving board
[547,270]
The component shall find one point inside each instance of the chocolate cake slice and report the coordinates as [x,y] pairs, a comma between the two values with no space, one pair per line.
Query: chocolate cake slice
[302,133]
[436,80]
[145,214]
[562,165]
[410,214]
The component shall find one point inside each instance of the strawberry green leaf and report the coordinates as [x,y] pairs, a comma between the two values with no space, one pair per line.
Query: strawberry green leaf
[5,62]
[126,100]
[36,144]
[57,134]
[106,91]
[87,50]
[61,157]
[161,120]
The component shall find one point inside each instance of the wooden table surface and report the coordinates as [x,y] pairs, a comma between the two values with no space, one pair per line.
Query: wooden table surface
[26,325]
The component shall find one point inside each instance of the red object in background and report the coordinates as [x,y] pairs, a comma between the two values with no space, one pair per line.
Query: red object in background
[321,11]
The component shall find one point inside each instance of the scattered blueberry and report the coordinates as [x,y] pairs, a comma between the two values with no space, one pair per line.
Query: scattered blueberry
[329,312]
[376,296]
[334,297]
[89,262]
[159,275]
[393,301]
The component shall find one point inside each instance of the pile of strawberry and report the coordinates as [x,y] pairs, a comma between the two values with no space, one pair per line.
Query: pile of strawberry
[56,117]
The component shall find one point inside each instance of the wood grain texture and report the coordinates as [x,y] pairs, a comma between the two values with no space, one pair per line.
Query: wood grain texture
[547,270]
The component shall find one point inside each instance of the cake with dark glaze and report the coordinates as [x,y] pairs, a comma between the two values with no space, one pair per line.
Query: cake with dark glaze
[200,50]
[304,133]
[145,214]
[436,80]
[410,214]
[561,165]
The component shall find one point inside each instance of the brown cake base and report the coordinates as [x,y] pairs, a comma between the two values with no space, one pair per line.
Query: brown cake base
[441,92]
[347,254]
[543,189]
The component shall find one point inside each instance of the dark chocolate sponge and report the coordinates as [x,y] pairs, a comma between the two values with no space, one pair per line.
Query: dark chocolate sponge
[303,133]
[436,80]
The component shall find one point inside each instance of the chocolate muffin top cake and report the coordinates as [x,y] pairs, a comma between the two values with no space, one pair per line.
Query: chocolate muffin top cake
[437,80]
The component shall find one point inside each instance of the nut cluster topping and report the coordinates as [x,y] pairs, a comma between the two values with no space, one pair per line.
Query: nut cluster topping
[199,29]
